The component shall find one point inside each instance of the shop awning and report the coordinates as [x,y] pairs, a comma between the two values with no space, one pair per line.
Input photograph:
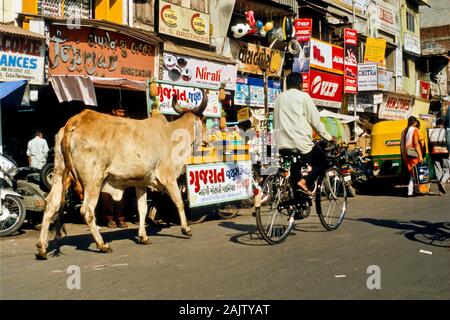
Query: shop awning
[343,117]
[16,31]
[74,88]
[6,88]
[192,52]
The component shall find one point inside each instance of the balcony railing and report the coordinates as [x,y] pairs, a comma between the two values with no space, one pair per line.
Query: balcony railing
[65,8]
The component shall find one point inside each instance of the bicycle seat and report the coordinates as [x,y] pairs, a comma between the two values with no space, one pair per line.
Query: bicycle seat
[290,152]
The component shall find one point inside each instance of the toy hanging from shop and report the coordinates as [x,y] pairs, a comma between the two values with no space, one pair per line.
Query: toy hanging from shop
[251,26]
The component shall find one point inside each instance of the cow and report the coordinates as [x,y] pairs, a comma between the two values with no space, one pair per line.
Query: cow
[96,152]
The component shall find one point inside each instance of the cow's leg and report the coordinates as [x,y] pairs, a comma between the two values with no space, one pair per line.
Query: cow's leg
[175,194]
[141,196]
[91,195]
[53,205]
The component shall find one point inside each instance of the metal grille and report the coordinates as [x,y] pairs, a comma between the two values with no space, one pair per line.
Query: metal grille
[65,8]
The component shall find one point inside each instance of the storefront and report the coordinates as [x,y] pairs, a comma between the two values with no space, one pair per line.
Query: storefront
[22,56]
[85,60]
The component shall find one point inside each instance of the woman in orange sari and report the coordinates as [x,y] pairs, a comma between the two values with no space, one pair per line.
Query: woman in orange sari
[411,150]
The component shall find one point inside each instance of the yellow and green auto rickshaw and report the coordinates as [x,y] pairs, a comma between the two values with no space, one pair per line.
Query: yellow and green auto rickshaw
[385,149]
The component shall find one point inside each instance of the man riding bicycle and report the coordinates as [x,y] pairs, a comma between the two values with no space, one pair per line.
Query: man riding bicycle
[295,117]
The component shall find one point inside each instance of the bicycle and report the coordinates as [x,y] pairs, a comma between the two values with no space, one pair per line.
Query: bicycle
[275,217]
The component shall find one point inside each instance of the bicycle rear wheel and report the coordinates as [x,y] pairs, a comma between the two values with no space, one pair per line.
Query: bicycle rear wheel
[274,219]
[331,199]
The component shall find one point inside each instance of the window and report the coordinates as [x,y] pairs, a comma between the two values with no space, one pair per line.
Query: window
[405,67]
[410,23]
[144,11]
[65,8]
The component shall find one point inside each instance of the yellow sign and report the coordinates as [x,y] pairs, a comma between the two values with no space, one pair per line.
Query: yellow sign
[243,114]
[375,50]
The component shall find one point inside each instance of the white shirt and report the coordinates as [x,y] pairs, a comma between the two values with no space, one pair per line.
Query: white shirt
[37,150]
[295,117]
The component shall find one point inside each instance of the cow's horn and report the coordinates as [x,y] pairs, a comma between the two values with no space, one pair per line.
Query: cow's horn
[177,107]
[199,110]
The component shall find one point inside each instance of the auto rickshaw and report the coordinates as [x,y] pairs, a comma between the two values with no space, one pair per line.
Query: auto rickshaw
[385,150]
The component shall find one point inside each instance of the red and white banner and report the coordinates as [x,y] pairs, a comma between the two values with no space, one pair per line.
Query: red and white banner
[303,33]
[350,61]
[326,89]
[303,29]
[327,57]
[395,107]
[424,90]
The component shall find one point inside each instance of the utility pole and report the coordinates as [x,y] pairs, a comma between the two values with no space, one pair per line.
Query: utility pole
[354,95]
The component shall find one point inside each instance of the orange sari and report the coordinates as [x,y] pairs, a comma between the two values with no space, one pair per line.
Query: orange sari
[414,142]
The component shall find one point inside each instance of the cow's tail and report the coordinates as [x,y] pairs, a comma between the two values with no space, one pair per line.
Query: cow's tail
[69,174]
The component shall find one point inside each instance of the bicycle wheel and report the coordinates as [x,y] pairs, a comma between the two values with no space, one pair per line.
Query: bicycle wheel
[331,199]
[275,220]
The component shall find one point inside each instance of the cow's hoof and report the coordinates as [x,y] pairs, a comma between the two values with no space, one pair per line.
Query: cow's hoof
[186,232]
[142,240]
[41,255]
[106,249]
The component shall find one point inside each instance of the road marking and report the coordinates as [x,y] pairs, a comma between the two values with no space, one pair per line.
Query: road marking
[426,252]
[340,276]
[120,265]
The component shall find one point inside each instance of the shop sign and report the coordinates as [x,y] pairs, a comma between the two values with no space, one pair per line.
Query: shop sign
[360,5]
[398,69]
[274,91]
[187,98]
[424,90]
[242,93]
[364,103]
[411,43]
[326,89]
[100,53]
[388,18]
[395,107]
[350,61]
[375,50]
[254,59]
[250,92]
[327,57]
[243,114]
[219,182]
[367,77]
[184,23]
[256,92]
[21,58]
[183,70]
[301,63]
[384,79]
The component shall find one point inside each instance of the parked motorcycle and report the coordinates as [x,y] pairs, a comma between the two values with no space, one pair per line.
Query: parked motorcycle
[354,169]
[12,208]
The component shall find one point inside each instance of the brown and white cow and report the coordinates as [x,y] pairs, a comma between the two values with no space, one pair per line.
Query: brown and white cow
[101,153]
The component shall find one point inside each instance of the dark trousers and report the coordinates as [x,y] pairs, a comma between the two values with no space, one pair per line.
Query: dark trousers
[316,158]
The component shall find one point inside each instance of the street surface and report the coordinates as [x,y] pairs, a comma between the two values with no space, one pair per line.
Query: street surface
[226,259]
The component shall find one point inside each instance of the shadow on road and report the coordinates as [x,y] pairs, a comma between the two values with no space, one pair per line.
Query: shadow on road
[429,233]
[84,241]
[248,234]
[309,227]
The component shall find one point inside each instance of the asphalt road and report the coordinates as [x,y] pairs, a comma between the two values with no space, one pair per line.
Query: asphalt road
[226,259]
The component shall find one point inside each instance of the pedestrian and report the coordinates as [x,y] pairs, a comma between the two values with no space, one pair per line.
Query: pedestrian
[411,150]
[447,127]
[440,155]
[37,151]
[114,210]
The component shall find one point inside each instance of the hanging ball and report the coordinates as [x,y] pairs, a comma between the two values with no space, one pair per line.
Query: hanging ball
[259,24]
[268,26]
[153,89]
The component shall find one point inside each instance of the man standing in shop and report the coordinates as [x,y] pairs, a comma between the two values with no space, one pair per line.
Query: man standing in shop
[37,151]
[295,117]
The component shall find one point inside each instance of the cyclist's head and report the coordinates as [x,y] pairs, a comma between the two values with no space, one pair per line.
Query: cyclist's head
[294,81]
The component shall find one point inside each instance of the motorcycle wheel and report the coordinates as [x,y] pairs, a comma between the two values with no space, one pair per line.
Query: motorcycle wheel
[47,175]
[351,191]
[12,215]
